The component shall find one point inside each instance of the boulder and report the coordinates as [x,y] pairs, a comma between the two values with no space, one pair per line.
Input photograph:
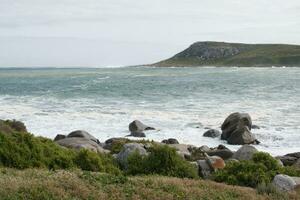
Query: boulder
[59,137]
[204,169]
[223,153]
[137,128]
[81,143]
[83,134]
[284,182]
[255,126]
[213,133]
[245,152]
[205,148]
[215,162]
[236,129]
[128,149]
[109,143]
[296,154]
[287,160]
[170,141]
[183,150]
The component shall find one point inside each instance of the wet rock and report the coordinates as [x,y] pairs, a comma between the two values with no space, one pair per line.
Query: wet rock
[213,133]
[170,141]
[127,150]
[284,182]
[287,160]
[236,129]
[245,153]
[137,128]
[255,126]
[59,137]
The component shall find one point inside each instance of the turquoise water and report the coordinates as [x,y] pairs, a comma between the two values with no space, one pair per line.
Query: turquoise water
[175,100]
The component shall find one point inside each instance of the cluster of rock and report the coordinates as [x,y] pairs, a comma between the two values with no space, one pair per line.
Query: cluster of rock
[236,129]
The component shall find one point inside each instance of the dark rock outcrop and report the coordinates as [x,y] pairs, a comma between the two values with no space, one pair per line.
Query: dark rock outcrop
[236,129]
[170,141]
[222,152]
[137,129]
[59,137]
[213,133]
[289,159]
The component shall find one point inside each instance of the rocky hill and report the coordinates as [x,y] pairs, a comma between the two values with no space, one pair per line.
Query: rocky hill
[235,54]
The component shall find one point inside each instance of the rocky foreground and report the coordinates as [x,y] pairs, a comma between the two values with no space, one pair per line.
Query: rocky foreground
[236,129]
[274,177]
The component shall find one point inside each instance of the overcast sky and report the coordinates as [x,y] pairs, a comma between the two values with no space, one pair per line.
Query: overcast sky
[64,33]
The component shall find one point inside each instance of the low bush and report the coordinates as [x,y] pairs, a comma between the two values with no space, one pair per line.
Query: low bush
[22,150]
[261,169]
[91,161]
[162,160]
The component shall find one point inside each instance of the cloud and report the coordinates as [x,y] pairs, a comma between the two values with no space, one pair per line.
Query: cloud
[126,32]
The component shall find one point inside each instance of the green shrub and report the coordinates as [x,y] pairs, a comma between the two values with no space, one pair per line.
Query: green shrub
[162,160]
[92,161]
[244,173]
[260,170]
[22,150]
[290,171]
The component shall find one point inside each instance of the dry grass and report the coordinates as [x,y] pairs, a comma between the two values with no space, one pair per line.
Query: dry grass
[44,184]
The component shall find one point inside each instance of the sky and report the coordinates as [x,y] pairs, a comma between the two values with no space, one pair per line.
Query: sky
[99,33]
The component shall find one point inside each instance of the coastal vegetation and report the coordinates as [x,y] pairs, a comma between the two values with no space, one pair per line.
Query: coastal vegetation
[235,54]
[38,168]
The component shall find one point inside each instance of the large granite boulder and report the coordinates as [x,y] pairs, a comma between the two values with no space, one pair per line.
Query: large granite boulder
[80,140]
[83,134]
[127,150]
[246,152]
[137,129]
[213,133]
[236,129]
[81,143]
[284,182]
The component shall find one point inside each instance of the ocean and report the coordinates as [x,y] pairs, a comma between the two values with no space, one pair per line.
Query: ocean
[179,102]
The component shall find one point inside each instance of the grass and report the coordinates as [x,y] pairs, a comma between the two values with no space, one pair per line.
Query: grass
[257,55]
[60,184]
